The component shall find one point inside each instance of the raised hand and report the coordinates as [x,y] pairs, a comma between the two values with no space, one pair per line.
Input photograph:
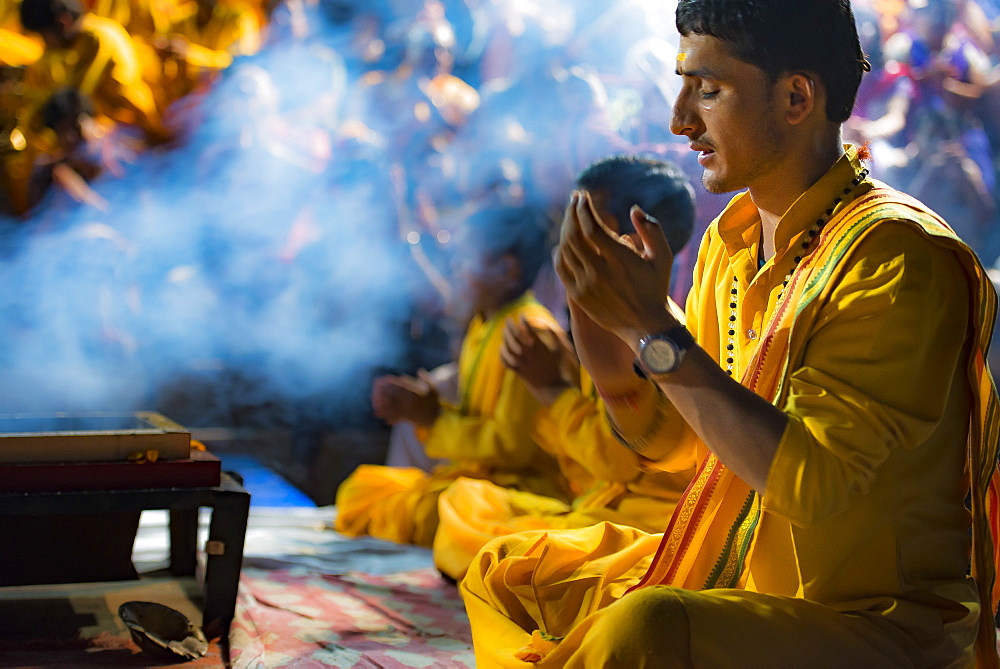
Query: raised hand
[621,283]
[543,358]
[406,398]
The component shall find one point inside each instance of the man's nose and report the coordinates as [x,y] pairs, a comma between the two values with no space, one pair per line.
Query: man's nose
[684,119]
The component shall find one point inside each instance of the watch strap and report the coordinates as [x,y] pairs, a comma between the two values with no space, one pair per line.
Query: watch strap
[681,336]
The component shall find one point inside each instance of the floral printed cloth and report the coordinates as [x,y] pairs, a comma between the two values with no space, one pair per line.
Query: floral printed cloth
[297,617]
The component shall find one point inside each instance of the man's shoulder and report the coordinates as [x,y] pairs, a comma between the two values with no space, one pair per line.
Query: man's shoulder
[890,231]
[529,306]
[882,205]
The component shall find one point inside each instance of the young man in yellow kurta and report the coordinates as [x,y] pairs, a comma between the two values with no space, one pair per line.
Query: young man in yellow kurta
[488,435]
[92,54]
[830,381]
[610,483]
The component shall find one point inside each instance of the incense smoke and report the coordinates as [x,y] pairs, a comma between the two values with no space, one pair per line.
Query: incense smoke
[271,261]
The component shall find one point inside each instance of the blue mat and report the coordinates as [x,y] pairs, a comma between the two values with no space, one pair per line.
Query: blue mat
[266,487]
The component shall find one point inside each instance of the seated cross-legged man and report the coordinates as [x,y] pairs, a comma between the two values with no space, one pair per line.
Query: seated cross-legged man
[609,481]
[487,434]
[829,377]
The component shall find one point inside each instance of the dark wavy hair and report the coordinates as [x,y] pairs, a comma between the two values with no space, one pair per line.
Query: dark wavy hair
[785,36]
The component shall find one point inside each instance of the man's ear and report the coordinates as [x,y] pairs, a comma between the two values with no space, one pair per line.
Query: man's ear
[511,267]
[802,96]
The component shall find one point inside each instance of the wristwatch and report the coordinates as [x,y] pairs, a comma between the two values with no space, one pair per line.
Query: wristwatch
[662,353]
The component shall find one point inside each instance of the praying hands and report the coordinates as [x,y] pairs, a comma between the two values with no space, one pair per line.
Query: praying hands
[543,358]
[619,281]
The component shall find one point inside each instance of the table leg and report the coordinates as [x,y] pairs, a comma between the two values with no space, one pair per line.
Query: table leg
[226,536]
[183,541]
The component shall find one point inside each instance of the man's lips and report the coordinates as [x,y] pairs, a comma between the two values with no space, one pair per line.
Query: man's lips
[706,152]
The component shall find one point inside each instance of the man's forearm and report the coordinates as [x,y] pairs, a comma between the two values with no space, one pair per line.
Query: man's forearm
[605,356]
[741,428]
[648,425]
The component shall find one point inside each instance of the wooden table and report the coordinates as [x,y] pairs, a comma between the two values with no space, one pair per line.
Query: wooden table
[229,503]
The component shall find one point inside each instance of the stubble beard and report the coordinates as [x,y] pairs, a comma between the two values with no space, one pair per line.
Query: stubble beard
[765,160]
[767,142]
[717,185]
[713,185]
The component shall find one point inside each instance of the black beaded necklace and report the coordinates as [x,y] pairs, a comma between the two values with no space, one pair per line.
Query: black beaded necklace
[813,232]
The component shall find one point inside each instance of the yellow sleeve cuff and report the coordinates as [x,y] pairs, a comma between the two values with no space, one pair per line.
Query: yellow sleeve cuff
[548,422]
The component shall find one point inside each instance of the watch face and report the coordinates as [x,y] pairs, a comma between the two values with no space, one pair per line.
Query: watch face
[659,356]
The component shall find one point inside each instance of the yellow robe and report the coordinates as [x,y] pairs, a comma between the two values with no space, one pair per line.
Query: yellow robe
[488,436]
[17,48]
[209,45]
[147,23]
[612,483]
[861,551]
[102,62]
[141,18]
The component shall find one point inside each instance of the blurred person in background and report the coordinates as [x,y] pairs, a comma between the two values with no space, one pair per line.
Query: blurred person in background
[487,434]
[609,481]
[93,54]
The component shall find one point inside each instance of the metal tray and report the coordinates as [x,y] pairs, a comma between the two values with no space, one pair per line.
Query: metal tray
[69,437]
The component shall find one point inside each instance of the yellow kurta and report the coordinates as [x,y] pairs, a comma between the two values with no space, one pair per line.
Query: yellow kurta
[209,43]
[148,24]
[233,27]
[864,512]
[102,63]
[576,428]
[141,18]
[488,436]
[17,48]
[612,484]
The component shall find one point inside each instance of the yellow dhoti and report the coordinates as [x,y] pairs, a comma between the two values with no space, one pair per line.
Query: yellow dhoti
[486,437]
[392,503]
[571,584]
[401,503]
[474,512]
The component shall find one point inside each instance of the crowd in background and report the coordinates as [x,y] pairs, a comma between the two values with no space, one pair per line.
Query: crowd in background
[72,72]
[271,137]
[440,77]
[930,108]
